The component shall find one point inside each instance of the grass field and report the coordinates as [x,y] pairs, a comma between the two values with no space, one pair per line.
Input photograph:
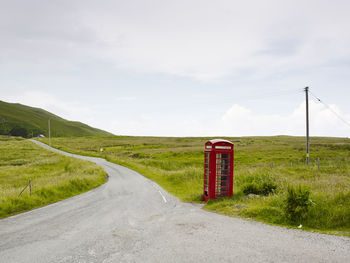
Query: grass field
[177,165]
[53,176]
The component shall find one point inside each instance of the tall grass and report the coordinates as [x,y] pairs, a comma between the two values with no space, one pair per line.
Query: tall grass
[177,165]
[53,176]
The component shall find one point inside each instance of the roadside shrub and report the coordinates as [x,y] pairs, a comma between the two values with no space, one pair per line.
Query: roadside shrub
[297,203]
[19,131]
[268,187]
[251,188]
[262,188]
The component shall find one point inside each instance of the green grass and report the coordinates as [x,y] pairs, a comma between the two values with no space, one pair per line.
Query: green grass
[177,165]
[35,121]
[54,176]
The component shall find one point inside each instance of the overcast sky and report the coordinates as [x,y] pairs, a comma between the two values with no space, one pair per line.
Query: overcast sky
[180,68]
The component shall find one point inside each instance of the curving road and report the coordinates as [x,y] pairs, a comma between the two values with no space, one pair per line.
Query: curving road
[131,219]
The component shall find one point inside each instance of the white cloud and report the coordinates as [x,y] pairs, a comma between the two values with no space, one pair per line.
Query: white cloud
[206,40]
[199,38]
[106,63]
[125,98]
[240,121]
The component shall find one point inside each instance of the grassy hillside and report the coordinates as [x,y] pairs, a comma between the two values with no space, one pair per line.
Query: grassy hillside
[53,176]
[20,120]
[272,163]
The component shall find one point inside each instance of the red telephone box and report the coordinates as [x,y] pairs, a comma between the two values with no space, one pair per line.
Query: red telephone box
[218,169]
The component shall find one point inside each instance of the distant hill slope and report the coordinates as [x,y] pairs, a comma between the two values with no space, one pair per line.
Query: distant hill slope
[21,120]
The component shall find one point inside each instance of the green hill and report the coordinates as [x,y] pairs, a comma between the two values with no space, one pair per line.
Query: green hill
[21,120]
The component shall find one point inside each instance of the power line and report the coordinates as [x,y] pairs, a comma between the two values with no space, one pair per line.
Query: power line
[333,111]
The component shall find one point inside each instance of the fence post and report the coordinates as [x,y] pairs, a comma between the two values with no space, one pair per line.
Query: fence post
[30,188]
[22,190]
[291,163]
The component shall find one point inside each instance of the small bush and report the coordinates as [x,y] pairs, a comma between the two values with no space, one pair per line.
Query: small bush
[251,188]
[297,203]
[262,188]
[19,131]
[268,187]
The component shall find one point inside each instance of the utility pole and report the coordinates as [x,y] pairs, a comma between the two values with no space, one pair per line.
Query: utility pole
[49,133]
[307,125]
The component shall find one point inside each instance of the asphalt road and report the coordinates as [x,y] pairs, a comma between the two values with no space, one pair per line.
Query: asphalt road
[131,219]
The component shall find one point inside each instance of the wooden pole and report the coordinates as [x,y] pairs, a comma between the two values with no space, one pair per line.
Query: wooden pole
[307,125]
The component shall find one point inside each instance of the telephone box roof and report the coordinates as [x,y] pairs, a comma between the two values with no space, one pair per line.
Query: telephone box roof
[214,141]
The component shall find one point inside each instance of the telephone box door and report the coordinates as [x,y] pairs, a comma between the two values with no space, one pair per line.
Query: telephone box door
[223,175]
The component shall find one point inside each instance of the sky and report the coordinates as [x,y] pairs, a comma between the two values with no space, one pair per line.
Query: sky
[181,68]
